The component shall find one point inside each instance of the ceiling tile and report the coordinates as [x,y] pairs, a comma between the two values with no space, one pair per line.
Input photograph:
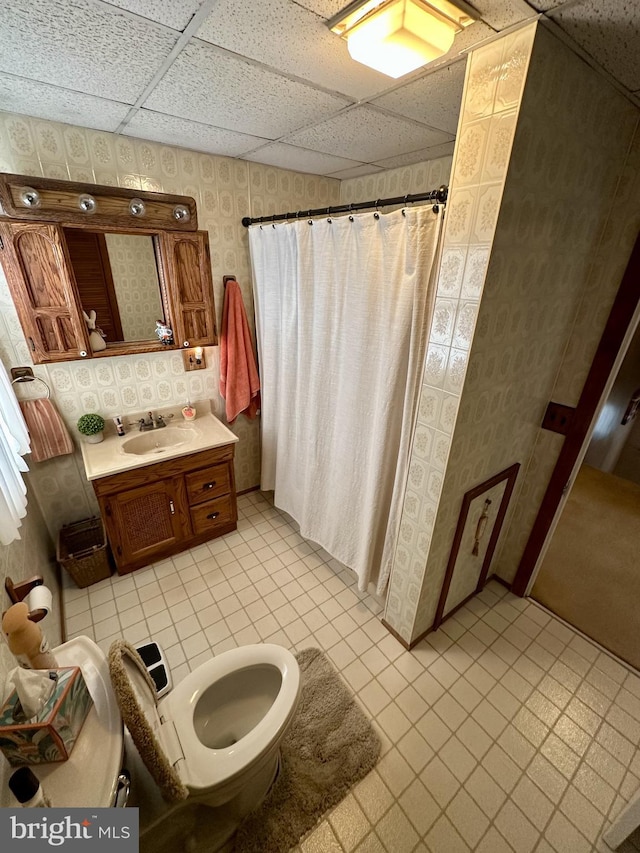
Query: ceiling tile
[190,134]
[412,157]
[365,133]
[356,172]
[545,5]
[81,45]
[43,101]
[293,40]
[609,31]
[175,14]
[433,99]
[299,159]
[325,8]
[501,14]
[225,91]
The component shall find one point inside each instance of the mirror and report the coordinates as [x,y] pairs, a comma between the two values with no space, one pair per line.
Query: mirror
[117,277]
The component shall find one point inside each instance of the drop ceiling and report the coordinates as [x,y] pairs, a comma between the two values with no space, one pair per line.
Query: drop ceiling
[266,81]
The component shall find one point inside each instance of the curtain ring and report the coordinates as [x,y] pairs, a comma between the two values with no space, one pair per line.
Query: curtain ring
[310,222]
[376,215]
[351,219]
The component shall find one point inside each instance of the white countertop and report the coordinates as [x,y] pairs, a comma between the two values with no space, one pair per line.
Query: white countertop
[109,457]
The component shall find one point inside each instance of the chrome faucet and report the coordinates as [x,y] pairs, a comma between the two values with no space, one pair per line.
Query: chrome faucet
[153,423]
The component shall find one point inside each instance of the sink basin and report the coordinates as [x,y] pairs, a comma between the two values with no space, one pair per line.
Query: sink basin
[159,441]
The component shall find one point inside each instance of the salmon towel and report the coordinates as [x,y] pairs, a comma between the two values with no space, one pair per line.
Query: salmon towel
[49,435]
[239,380]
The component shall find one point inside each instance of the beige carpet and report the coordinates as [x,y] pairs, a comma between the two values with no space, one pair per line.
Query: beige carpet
[591,573]
[329,747]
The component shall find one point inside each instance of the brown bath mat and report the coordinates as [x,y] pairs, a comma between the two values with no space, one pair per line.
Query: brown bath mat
[329,747]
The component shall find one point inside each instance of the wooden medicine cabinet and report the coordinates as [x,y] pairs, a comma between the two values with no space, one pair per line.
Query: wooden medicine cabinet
[133,257]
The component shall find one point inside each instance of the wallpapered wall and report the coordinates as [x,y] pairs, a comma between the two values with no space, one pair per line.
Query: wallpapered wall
[417,178]
[225,190]
[136,283]
[493,87]
[572,139]
[593,137]
[25,557]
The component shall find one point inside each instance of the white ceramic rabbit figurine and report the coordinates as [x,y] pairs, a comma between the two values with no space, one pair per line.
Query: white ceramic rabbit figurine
[96,341]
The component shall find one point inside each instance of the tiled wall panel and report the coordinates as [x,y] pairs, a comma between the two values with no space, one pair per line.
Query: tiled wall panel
[493,87]
[572,137]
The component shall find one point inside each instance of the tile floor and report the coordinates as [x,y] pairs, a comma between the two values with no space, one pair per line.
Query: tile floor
[505,730]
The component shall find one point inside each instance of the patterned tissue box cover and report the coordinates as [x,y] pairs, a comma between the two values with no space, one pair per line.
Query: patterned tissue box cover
[51,735]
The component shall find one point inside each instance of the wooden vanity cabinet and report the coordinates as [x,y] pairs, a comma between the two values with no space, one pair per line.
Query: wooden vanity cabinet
[153,512]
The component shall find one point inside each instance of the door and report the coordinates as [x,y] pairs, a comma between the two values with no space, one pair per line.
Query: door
[187,265]
[589,572]
[44,291]
[143,523]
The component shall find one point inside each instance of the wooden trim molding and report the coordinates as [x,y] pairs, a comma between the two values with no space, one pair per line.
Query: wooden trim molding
[59,201]
[612,338]
[509,474]
[420,637]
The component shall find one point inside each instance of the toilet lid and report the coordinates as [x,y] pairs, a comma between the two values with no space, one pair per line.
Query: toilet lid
[155,740]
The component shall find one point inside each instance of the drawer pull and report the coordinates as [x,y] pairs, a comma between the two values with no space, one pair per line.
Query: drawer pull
[209,485]
[213,515]
[172,508]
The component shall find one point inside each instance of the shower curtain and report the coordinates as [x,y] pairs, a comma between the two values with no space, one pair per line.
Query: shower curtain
[342,315]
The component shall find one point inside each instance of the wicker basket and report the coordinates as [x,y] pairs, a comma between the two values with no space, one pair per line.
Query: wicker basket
[82,551]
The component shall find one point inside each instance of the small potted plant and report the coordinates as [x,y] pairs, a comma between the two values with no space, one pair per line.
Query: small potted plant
[91,427]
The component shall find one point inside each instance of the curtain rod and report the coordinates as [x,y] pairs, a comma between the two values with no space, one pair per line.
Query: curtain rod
[439,195]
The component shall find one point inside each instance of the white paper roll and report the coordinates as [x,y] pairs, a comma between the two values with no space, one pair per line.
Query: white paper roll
[39,598]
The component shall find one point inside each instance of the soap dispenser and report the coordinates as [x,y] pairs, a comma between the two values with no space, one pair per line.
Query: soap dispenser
[189,412]
[26,640]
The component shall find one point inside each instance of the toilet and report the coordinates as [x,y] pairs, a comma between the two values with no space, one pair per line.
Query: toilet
[212,743]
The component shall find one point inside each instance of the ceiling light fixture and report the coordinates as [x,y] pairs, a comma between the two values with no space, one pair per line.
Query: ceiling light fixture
[398,36]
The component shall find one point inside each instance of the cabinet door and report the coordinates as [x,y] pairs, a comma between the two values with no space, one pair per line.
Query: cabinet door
[187,266]
[143,523]
[43,288]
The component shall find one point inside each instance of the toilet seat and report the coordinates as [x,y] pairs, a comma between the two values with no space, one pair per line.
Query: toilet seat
[177,747]
[202,767]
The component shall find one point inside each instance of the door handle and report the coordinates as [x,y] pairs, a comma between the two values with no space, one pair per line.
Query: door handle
[213,515]
[172,508]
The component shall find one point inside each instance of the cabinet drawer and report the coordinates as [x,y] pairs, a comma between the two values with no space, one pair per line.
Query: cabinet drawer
[208,483]
[206,517]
